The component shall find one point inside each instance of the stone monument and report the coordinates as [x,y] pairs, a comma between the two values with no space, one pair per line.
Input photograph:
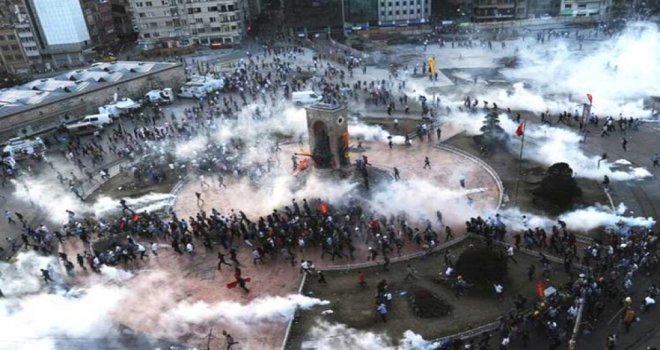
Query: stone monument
[328,136]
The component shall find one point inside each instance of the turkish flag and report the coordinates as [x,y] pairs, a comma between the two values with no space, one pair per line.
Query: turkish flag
[520,130]
[590,98]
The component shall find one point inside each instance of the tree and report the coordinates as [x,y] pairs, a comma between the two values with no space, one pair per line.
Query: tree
[492,132]
[559,187]
[481,265]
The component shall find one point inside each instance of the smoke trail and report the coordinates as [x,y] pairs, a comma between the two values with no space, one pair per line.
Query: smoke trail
[373,133]
[260,311]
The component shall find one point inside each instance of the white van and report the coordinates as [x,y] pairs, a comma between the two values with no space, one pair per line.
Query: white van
[193,90]
[199,87]
[305,98]
[102,120]
[83,128]
[160,96]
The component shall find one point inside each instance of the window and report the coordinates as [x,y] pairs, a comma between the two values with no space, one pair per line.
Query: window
[223,8]
[389,13]
[5,48]
[147,35]
[11,37]
[582,6]
[215,29]
[213,19]
[382,13]
[153,25]
[396,12]
[156,35]
[168,23]
[150,14]
[404,12]
[213,9]
[230,8]
[14,47]
[141,15]
[148,3]
[568,6]
[139,4]
[2,38]
[199,20]
[144,25]
[201,30]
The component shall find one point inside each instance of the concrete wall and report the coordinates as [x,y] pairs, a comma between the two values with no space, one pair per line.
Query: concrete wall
[50,115]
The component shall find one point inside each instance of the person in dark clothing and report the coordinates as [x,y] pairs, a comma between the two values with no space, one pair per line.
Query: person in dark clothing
[46,276]
[221,260]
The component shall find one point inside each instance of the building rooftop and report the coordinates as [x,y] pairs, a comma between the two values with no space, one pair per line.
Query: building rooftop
[37,93]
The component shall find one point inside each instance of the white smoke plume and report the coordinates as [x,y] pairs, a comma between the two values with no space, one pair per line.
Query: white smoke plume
[258,312]
[420,200]
[105,205]
[327,336]
[548,145]
[583,219]
[373,133]
[39,321]
[23,276]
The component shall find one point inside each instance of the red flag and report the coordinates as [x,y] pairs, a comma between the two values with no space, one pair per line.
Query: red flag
[590,98]
[323,208]
[540,289]
[520,130]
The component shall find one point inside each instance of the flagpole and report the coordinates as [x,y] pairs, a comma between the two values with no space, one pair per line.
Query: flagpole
[522,145]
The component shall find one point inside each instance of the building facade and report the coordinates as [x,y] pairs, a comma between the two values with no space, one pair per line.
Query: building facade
[498,10]
[12,58]
[61,32]
[403,12]
[583,8]
[543,8]
[180,23]
[100,24]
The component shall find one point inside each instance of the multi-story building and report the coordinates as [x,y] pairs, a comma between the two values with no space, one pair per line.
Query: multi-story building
[11,55]
[316,16]
[400,12]
[175,23]
[583,8]
[61,31]
[543,8]
[498,10]
[360,13]
[100,24]
[122,19]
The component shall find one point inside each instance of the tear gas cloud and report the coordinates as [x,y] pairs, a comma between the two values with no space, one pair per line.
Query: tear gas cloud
[583,219]
[328,336]
[548,145]
[373,133]
[557,67]
[33,318]
[23,276]
[260,311]
[420,199]
[54,200]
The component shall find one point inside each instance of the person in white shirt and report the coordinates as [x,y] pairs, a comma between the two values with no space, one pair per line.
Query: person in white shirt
[154,248]
[499,291]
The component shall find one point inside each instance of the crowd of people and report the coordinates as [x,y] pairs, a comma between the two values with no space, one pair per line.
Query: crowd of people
[608,268]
